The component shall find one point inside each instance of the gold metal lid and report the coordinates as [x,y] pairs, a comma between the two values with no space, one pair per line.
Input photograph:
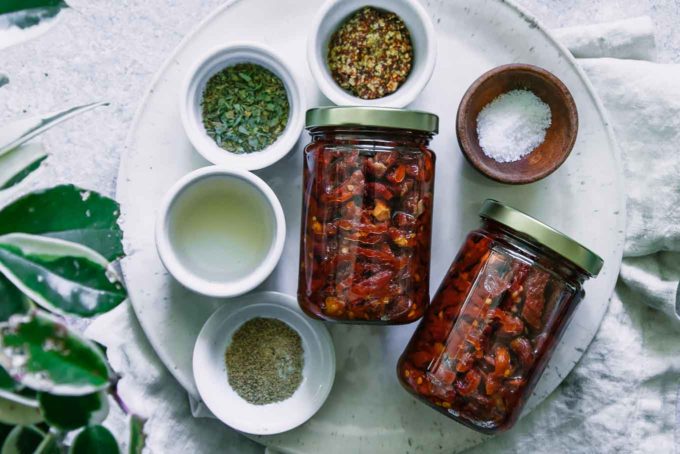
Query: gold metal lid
[558,242]
[381,117]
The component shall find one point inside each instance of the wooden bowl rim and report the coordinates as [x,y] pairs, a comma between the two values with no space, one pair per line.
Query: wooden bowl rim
[465,141]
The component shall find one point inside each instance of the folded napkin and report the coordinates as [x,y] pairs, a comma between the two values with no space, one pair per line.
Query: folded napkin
[622,395]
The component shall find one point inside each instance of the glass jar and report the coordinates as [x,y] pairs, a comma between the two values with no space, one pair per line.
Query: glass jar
[496,319]
[367,215]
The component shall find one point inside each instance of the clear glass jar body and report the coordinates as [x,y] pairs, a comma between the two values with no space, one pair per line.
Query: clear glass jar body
[366,225]
[491,328]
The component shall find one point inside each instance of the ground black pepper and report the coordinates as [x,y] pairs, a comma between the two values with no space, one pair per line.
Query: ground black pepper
[265,361]
[371,54]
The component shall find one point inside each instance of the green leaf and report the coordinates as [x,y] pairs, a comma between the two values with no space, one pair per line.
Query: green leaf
[49,445]
[137,437]
[68,413]
[94,440]
[18,163]
[13,302]
[13,6]
[7,383]
[61,276]
[5,429]
[19,132]
[69,213]
[18,19]
[22,440]
[41,353]
[16,412]
[12,390]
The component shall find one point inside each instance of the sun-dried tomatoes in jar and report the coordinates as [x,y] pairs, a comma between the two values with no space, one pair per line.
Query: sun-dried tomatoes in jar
[367,215]
[496,319]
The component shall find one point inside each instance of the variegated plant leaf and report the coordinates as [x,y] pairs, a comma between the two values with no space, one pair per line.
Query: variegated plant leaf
[7,383]
[61,276]
[20,413]
[23,440]
[18,163]
[21,20]
[49,445]
[137,438]
[13,302]
[68,413]
[41,353]
[5,429]
[68,213]
[19,132]
[94,440]
[15,6]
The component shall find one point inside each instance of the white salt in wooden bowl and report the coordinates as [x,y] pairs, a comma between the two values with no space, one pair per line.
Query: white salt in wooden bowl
[560,136]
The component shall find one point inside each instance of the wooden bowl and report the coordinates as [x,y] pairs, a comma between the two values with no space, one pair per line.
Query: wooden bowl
[560,136]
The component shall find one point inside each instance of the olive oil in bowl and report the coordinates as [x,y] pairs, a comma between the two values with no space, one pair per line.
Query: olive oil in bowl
[222,229]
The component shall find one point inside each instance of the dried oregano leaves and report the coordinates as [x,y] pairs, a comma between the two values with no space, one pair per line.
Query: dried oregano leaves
[245,108]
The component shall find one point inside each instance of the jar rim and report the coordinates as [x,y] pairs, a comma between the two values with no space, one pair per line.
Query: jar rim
[381,117]
[545,235]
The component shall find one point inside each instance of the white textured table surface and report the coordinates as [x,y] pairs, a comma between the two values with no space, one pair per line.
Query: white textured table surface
[103,50]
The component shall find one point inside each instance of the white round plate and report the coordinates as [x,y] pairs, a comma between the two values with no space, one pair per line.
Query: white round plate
[367,410]
[211,374]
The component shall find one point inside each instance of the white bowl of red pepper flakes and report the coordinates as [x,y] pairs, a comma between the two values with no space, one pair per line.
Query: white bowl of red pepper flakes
[379,53]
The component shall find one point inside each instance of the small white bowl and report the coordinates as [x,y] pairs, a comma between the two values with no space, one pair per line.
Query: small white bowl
[334,12]
[189,231]
[192,95]
[211,375]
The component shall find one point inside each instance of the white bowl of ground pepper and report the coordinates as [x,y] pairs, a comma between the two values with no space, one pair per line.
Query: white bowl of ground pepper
[261,366]
[378,53]
[242,106]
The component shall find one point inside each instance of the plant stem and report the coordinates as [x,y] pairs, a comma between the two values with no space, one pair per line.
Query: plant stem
[114,393]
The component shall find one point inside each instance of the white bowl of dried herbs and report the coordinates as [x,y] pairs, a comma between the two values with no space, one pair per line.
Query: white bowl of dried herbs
[261,365]
[378,53]
[242,107]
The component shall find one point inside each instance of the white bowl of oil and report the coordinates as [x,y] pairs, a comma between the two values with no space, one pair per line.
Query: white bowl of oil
[220,232]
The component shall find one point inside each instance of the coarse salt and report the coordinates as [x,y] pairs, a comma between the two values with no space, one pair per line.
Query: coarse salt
[513,125]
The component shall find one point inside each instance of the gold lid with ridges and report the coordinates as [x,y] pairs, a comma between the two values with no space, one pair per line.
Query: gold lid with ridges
[377,117]
[547,236]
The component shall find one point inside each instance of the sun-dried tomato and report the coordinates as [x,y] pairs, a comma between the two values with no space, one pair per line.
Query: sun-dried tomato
[509,324]
[534,300]
[372,284]
[378,190]
[489,330]
[366,230]
[469,383]
[347,190]
[397,174]
[524,351]
[502,367]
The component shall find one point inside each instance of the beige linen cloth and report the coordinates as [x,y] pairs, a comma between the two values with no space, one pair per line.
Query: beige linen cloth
[622,396]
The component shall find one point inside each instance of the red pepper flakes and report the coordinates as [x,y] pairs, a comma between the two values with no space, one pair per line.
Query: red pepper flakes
[371,54]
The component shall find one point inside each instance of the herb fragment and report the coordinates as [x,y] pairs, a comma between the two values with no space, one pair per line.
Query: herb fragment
[265,361]
[245,108]
[371,54]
